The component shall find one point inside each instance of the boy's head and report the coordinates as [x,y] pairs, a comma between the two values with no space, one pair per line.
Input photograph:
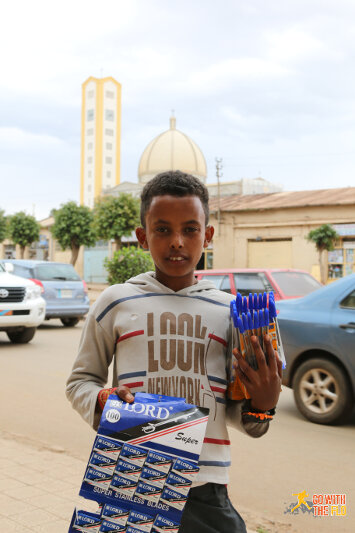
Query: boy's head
[173,183]
[174,216]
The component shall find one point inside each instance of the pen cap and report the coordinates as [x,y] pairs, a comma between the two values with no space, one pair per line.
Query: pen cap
[245,304]
[240,325]
[239,303]
[245,321]
[250,302]
[250,320]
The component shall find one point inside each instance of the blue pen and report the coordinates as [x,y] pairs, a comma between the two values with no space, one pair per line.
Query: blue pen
[250,302]
[245,304]
[264,300]
[255,301]
[234,314]
[239,303]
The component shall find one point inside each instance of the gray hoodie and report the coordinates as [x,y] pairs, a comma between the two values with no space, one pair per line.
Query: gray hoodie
[163,342]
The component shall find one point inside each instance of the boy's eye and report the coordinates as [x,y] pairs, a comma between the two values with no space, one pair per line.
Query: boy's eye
[161,229]
[191,229]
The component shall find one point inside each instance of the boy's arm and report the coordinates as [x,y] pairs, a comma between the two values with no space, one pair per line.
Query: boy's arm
[90,370]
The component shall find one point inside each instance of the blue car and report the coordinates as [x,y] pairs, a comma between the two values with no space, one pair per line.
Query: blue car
[318,335]
[65,293]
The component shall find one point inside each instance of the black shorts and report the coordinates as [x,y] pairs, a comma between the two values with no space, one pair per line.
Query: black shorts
[209,510]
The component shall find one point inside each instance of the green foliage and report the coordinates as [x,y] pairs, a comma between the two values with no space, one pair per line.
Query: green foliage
[126,263]
[23,229]
[116,217]
[73,227]
[3,224]
[324,237]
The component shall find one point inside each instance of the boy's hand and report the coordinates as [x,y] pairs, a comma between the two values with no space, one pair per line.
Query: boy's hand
[263,384]
[125,394]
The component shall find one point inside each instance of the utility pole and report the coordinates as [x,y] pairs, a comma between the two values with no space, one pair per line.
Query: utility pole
[219,174]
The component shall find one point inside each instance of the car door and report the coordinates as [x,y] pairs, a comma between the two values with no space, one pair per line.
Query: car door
[343,322]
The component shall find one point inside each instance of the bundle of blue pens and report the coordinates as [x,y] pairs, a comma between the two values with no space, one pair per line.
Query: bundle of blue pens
[253,315]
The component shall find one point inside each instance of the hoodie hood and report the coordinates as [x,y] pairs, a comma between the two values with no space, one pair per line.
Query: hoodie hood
[147,282]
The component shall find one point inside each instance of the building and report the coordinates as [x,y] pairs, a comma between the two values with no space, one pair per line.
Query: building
[174,150]
[269,230]
[100,137]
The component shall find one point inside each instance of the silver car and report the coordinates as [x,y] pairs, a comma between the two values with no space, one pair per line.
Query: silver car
[65,293]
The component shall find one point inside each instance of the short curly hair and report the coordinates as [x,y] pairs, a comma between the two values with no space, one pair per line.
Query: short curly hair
[174,183]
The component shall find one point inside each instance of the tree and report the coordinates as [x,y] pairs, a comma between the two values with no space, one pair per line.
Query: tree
[73,227]
[3,225]
[116,217]
[126,263]
[324,238]
[23,229]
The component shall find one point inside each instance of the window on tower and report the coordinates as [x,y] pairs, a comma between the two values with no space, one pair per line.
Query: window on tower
[91,94]
[110,94]
[90,131]
[108,160]
[108,174]
[90,114]
[108,146]
[89,160]
[109,132]
[109,115]
[90,145]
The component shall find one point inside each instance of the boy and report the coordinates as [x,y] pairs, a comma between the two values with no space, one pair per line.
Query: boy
[169,334]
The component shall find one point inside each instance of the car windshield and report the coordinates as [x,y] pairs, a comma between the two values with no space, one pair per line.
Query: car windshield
[52,272]
[296,283]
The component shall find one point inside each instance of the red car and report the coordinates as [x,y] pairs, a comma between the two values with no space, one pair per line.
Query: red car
[285,282]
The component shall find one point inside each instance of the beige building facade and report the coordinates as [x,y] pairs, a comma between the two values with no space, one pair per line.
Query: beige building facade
[269,230]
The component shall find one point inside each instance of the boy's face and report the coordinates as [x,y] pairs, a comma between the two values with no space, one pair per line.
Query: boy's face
[175,234]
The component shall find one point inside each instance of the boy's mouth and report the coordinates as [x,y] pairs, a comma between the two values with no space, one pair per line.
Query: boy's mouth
[176,258]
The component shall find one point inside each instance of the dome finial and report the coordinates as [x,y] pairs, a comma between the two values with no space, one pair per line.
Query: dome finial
[172,120]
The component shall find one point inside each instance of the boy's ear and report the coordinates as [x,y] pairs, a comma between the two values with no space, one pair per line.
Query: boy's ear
[142,238]
[209,232]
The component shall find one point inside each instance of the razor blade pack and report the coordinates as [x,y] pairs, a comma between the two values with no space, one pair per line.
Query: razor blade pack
[140,470]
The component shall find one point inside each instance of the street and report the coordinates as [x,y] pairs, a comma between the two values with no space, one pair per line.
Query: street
[294,456]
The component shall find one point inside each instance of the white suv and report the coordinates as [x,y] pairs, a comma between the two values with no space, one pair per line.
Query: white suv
[21,307]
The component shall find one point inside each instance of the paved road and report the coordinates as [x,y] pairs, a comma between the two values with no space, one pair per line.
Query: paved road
[294,456]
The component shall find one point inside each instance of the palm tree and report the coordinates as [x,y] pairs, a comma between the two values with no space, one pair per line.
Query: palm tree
[324,238]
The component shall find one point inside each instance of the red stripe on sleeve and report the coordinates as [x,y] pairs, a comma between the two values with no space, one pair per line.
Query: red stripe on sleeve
[217,441]
[218,389]
[133,385]
[128,335]
[218,339]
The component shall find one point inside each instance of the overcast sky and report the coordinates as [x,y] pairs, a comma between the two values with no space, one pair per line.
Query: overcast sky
[269,86]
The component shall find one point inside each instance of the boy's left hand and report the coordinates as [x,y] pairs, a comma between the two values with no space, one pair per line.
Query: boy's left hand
[263,384]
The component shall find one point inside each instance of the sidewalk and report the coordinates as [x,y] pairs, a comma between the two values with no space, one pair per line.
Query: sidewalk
[39,488]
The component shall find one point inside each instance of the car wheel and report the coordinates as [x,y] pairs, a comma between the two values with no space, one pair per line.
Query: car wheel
[70,322]
[21,337]
[322,392]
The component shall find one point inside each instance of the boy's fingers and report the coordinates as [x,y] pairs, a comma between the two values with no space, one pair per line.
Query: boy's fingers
[279,364]
[259,354]
[244,367]
[271,359]
[125,394]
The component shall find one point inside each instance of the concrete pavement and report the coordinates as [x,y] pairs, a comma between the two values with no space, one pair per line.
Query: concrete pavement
[39,487]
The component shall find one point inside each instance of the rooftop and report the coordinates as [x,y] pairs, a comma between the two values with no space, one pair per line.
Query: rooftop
[281,200]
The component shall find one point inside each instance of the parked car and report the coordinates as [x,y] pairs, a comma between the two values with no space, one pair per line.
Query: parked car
[286,283]
[22,309]
[65,293]
[318,335]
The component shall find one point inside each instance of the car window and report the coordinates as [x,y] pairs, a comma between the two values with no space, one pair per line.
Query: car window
[349,301]
[52,272]
[220,281]
[22,271]
[296,283]
[246,282]
[2,269]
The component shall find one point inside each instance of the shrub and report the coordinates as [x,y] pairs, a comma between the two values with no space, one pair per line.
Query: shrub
[127,263]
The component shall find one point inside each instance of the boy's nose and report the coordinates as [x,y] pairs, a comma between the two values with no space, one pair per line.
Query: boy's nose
[177,241]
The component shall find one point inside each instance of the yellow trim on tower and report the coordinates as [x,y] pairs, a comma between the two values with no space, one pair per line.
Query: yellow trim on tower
[99,121]
[118,133]
[82,155]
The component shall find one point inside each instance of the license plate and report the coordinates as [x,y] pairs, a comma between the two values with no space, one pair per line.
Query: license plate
[65,293]
[5,312]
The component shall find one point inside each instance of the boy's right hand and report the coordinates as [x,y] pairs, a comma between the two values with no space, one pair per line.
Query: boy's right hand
[124,393]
